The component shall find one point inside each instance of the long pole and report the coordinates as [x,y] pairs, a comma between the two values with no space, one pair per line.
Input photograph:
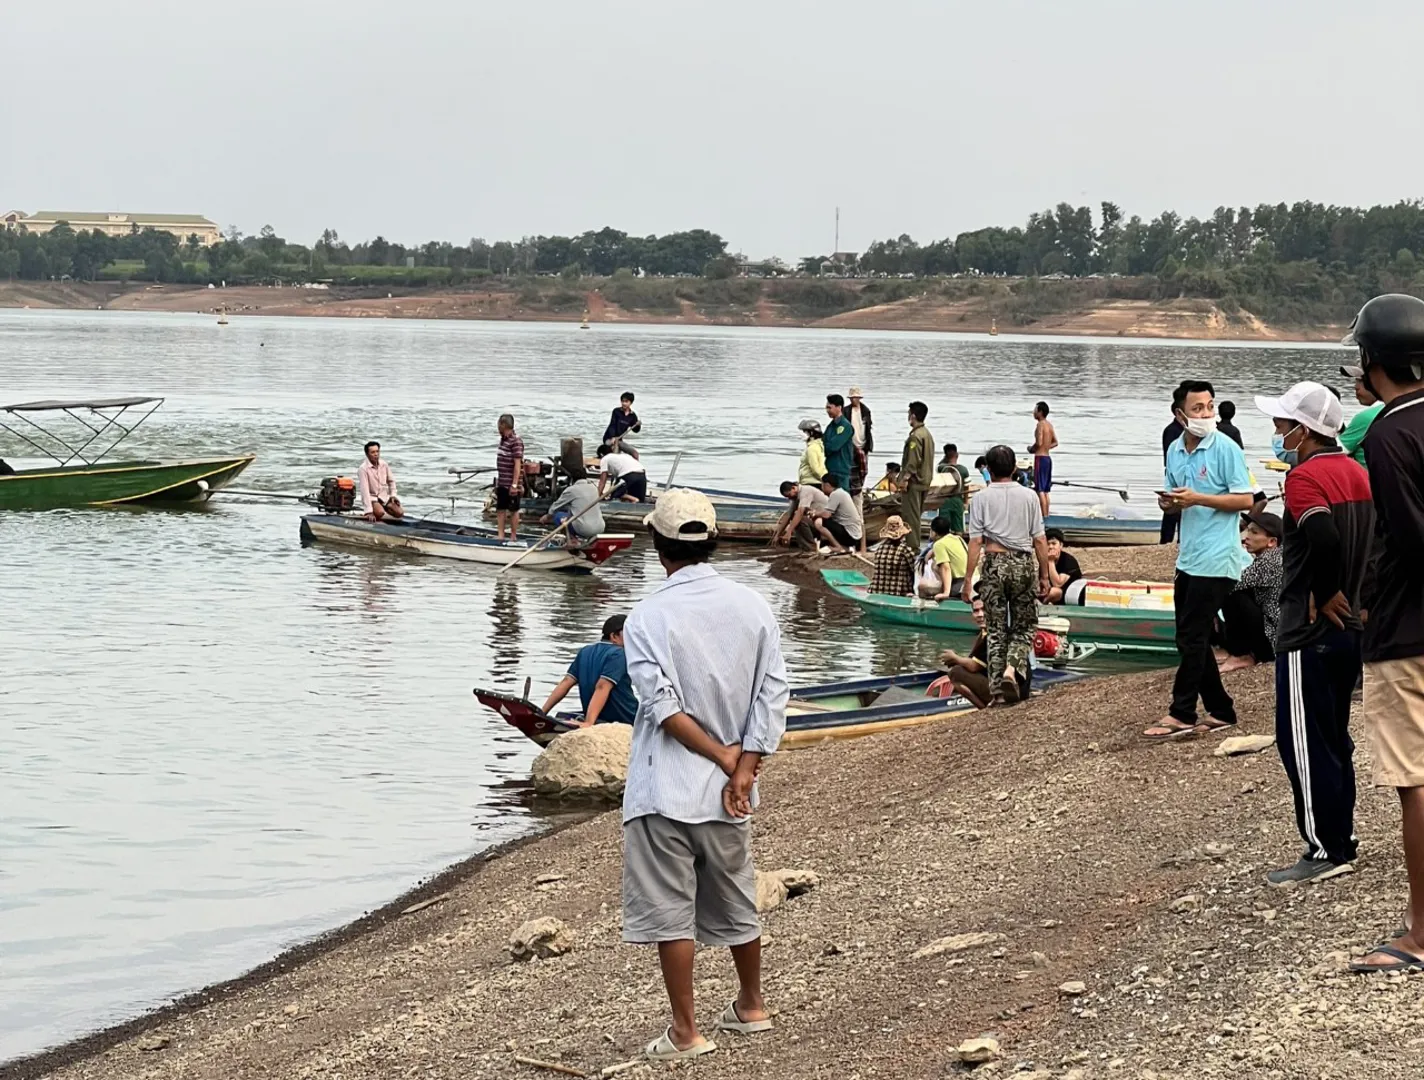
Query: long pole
[547,537]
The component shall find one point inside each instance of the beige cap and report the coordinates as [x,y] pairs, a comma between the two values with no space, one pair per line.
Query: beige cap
[856,392]
[894,528]
[684,514]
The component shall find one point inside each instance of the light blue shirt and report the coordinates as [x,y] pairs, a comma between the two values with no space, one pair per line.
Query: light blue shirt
[710,648]
[1211,539]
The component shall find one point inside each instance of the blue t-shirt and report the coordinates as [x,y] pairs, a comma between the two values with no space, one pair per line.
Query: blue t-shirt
[1211,539]
[604,660]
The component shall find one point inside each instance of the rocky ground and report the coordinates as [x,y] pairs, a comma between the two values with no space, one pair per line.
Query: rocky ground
[1036,875]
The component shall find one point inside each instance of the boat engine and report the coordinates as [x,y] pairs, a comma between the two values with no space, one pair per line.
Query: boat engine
[337,494]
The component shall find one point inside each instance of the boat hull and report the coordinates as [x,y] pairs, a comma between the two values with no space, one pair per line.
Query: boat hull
[448,540]
[1105,532]
[1085,624]
[848,709]
[119,483]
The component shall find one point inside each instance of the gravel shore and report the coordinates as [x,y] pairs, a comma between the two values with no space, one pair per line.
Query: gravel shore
[1071,850]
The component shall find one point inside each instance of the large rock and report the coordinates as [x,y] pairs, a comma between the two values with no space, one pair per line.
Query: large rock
[770,891]
[541,938]
[588,763]
[978,1051]
[798,881]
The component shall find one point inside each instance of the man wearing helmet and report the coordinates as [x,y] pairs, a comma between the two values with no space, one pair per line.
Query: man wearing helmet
[1389,331]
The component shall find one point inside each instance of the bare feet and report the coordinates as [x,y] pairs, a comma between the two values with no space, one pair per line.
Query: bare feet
[1236,663]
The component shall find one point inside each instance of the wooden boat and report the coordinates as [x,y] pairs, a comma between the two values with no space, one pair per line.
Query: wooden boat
[1142,628]
[837,710]
[1105,532]
[468,543]
[94,481]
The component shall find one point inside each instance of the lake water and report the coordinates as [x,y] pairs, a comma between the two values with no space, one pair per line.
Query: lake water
[215,744]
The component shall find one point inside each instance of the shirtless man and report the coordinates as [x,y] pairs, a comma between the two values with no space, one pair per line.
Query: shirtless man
[378,486]
[1045,440]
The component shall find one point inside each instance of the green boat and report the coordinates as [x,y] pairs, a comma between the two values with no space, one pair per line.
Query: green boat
[1103,625]
[82,477]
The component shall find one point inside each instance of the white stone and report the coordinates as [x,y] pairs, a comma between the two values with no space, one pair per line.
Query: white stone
[958,943]
[588,763]
[1245,744]
[542,938]
[978,1051]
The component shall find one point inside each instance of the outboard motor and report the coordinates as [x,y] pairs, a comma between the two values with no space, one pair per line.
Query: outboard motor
[337,494]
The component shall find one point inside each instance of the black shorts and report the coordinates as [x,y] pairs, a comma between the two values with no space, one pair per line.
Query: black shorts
[634,484]
[839,531]
[504,499]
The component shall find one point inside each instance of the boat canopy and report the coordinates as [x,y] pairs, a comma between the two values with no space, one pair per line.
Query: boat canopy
[95,419]
[65,406]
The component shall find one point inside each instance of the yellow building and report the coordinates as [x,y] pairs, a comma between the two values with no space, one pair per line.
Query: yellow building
[180,225]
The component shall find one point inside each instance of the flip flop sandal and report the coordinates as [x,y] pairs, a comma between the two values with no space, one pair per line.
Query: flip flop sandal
[1406,962]
[664,1049]
[1212,726]
[1170,733]
[730,1021]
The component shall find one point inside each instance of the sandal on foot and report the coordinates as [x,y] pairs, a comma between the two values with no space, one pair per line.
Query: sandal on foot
[730,1021]
[1404,962]
[664,1049]
[1009,690]
[1211,726]
[1169,731]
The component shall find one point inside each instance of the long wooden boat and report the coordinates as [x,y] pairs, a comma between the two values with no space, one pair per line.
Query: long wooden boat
[1112,625]
[468,543]
[81,476]
[1105,532]
[846,709]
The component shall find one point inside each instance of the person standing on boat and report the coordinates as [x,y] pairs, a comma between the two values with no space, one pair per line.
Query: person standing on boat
[813,458]
[1328,528]
[916,471]
[630,481]
[1045,441]
[1207,482]
[860,421]
[600,671]
[1006,536]
[509,477]
[839,441]
[623,420]
[704,654]
[378,487]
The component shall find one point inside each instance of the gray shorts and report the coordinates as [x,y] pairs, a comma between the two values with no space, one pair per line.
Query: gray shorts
[682,881]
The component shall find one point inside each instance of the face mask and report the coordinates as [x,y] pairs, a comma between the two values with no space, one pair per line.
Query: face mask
[1278,444]
[1201,426]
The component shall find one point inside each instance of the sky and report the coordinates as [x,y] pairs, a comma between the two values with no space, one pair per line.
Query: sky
[451,119]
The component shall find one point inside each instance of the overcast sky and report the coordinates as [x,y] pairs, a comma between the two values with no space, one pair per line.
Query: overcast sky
[449,119]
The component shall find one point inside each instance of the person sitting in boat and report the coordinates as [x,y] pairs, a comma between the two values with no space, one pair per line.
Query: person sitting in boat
[378,487]
[630,482]
[806,501]
[970,674]
[894,573]
[891,477]
[813,458]
[939,570]
[623,420]
[579,505]
[1063,569]
[600,671]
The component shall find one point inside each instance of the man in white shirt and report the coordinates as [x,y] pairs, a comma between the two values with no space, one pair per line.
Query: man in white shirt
[378,487]
[838,524]
[704,656]
[796,524]
[630,482]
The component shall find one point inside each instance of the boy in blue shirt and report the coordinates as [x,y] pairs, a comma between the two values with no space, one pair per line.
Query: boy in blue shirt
[1207,481]
[600,672]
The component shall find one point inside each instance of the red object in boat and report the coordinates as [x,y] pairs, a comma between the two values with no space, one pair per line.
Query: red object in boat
[603,547]
[1046,644]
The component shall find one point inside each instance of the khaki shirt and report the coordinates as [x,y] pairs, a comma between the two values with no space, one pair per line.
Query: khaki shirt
[917,461]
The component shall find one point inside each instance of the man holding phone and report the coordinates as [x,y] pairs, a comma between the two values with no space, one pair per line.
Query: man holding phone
[1208,483]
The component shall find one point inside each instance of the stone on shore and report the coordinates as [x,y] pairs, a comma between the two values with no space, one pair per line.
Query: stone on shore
[541,938]
[588,763]
[957,943]
[798,881]
[978,1051]
[1245,744]
[770,891]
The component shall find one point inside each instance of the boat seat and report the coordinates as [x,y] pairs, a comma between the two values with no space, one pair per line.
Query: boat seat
[900,695]
[802,708]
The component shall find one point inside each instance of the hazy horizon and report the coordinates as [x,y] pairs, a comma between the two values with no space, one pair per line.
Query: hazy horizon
[438,120]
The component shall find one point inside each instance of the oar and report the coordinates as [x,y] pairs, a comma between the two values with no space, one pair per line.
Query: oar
[1121,493]
[264,494]
[547,537]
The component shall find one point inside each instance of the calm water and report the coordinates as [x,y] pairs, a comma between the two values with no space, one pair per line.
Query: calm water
[215,744]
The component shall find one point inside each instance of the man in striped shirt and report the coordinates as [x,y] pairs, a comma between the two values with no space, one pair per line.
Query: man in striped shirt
[704,656]
[509,476]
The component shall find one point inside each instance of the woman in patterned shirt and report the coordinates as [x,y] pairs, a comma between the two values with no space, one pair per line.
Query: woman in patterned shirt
[1252,613]
[894,573]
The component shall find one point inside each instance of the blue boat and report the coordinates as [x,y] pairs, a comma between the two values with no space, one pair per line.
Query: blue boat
[836,710]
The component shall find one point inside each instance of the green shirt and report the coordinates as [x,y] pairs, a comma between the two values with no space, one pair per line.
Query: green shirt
[917,461]
[1353,436]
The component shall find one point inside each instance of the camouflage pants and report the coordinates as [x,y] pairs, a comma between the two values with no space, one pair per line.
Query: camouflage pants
[1008,584]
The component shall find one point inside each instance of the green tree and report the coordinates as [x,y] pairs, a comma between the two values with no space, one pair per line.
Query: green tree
[10,263]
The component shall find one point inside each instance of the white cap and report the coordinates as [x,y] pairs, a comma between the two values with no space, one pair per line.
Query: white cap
[1307,403]
[684,514]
